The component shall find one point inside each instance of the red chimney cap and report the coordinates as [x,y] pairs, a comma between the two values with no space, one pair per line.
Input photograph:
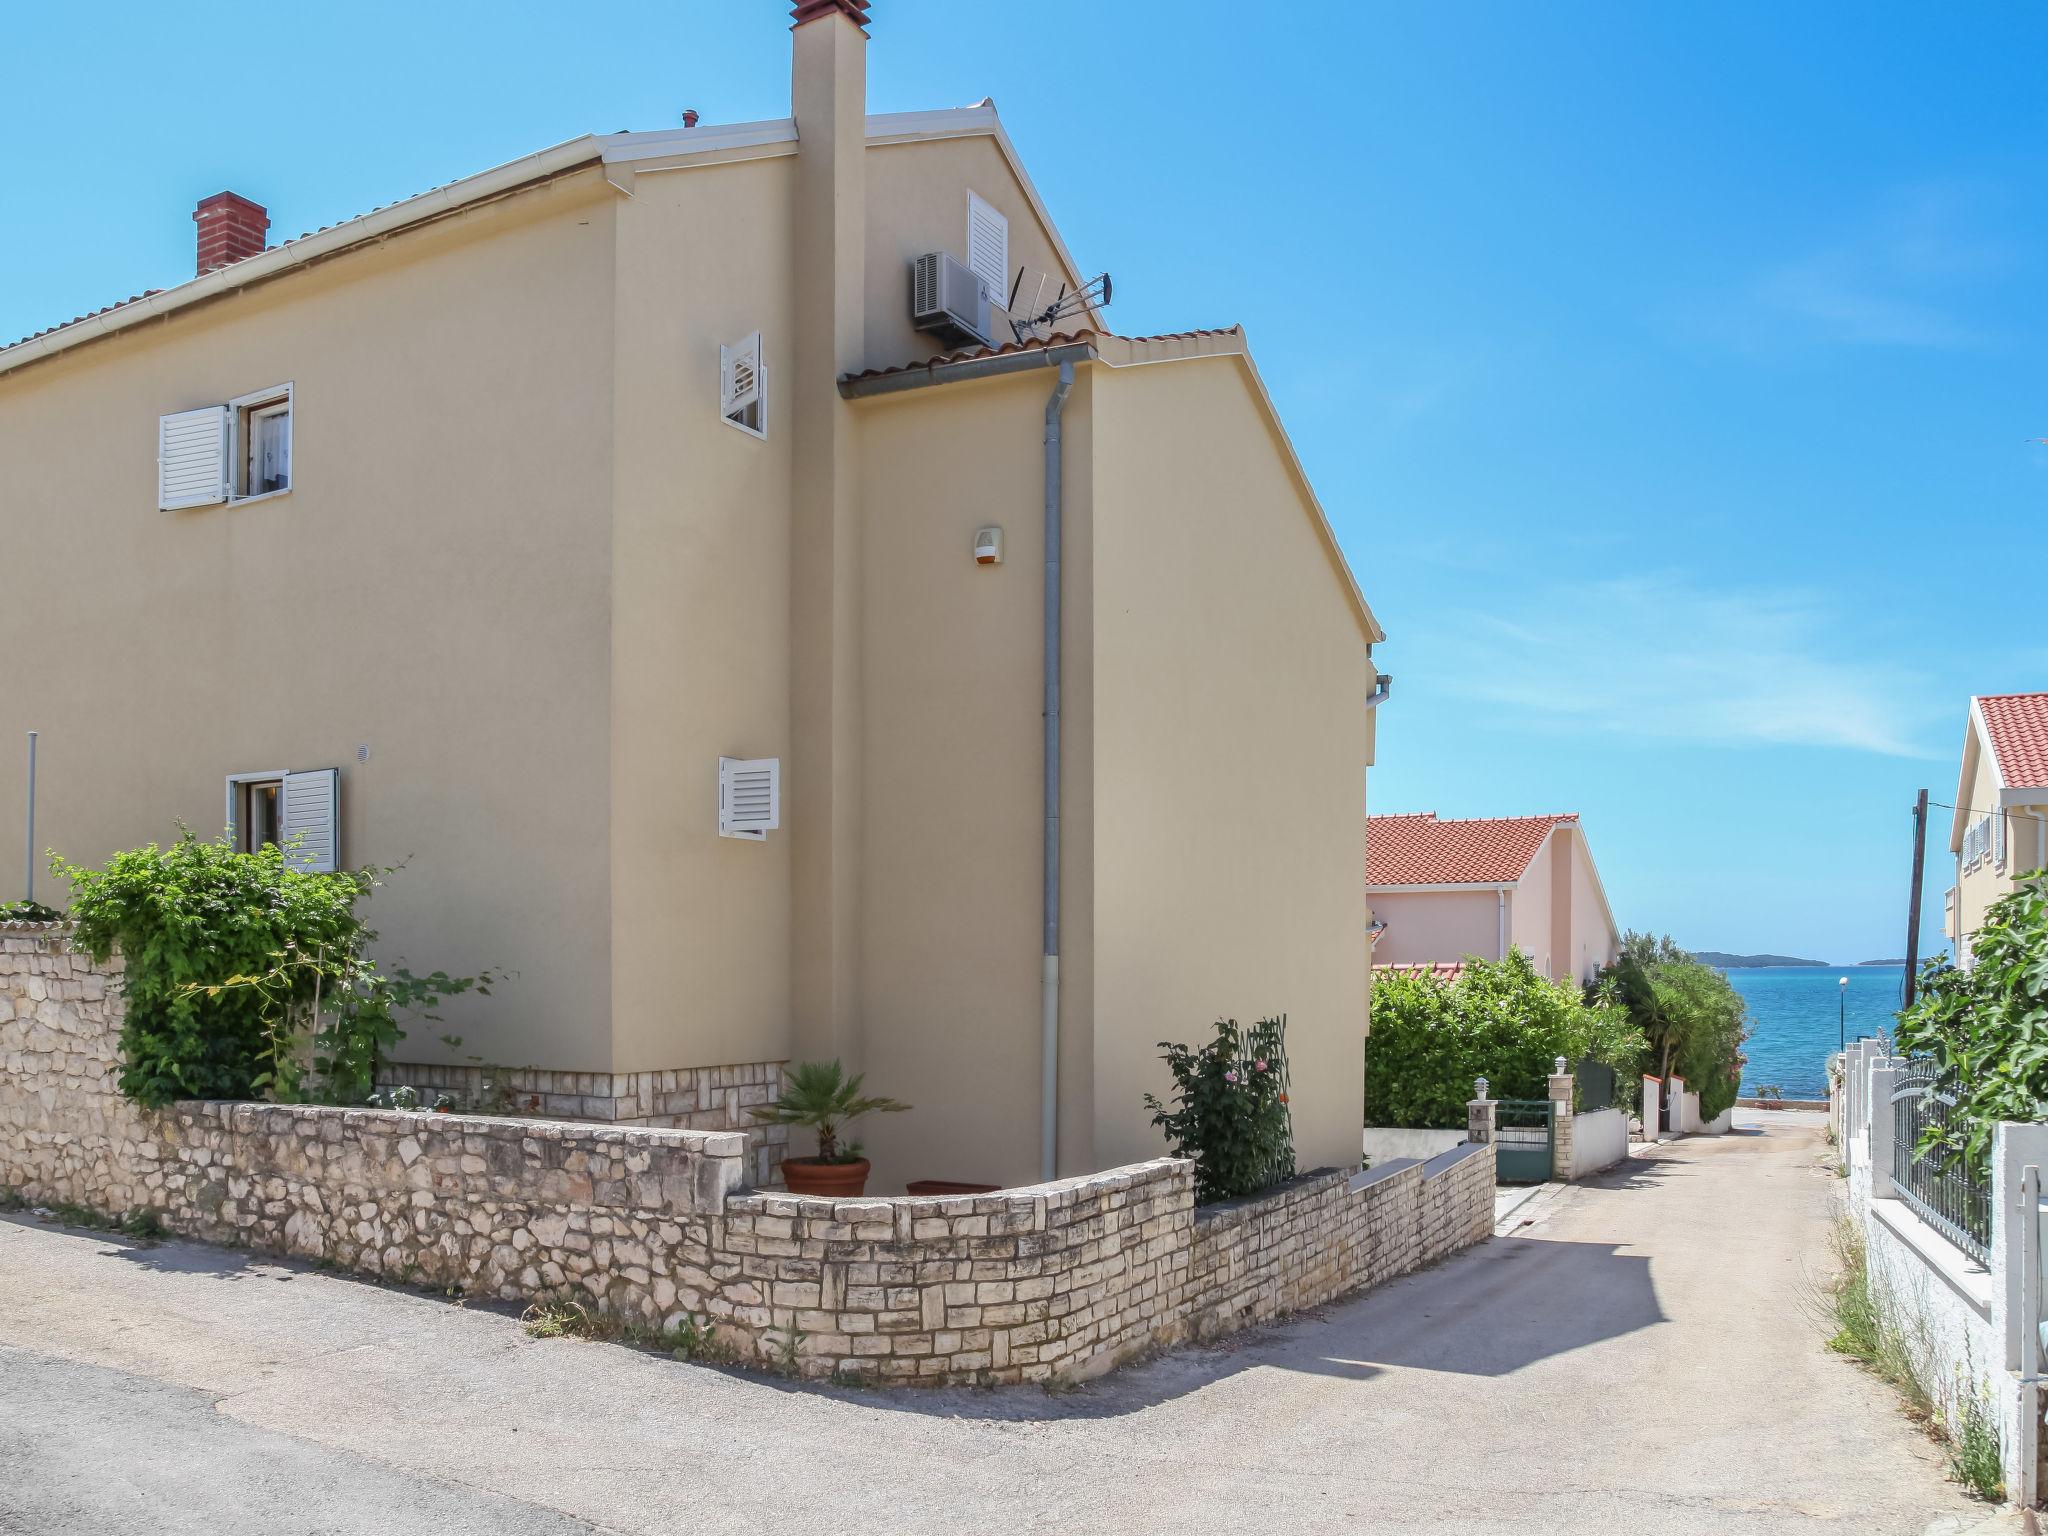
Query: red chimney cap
[689,117]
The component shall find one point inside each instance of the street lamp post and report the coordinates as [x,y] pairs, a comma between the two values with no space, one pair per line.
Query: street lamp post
[1842,1014]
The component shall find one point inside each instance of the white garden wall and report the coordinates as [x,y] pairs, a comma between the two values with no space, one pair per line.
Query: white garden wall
[1599,1140]
[1963,1319]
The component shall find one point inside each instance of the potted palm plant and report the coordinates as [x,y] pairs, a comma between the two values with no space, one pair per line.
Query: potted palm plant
[819,1096]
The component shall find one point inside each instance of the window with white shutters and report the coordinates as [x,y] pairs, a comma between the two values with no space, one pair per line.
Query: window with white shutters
[749,796]
[1998,839]
[298,812]
[988,250]
[192,458]
[231,452]
[743,386]
[311,819]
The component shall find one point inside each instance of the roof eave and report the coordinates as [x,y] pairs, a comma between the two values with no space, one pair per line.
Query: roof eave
[541,166]
[676,145]
[1442,886]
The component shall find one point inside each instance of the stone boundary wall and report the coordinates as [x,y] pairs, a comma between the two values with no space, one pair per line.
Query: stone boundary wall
[1059,1280]
[684,1098]
[1332,1232]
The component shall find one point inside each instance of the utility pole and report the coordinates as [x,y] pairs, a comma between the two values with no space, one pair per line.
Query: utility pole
[1913,917]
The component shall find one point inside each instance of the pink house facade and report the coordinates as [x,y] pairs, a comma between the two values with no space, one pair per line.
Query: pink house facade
[1444,890]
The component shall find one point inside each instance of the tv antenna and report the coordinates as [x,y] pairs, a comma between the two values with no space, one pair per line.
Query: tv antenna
[1038,303]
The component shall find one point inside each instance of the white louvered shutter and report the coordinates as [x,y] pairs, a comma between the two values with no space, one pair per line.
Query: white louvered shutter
[192,458]
[311,812]
[988,250]
[739,382]
[1998,838]
[749,796]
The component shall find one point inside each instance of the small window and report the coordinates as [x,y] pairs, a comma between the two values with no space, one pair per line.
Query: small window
[263,443]
[298,812]
[259,809]
[1998,839]
[743,386]
[255,812]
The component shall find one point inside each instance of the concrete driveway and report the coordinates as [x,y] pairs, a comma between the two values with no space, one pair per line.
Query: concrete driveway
[1638,1358]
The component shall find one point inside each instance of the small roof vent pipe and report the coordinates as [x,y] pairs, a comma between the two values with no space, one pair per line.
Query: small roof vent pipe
[689,117]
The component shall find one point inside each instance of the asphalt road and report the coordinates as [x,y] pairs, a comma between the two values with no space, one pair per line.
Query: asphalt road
[1638,1357]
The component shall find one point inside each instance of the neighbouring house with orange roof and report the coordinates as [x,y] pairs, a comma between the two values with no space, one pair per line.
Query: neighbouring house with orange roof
[737,572]
[1443,890]
[1999,827]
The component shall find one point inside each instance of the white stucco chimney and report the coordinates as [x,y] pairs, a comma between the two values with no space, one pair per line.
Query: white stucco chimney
[828,100]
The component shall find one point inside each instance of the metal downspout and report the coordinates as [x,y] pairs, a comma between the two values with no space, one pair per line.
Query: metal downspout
[1500,945]
[1049,976]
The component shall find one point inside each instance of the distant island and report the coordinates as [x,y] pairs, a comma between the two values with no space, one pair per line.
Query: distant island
[1900,961]
[1750,962]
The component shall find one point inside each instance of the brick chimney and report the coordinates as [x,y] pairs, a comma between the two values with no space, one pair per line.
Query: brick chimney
[231,229]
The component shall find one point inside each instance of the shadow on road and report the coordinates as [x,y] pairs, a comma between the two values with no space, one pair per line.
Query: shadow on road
[1488,1312]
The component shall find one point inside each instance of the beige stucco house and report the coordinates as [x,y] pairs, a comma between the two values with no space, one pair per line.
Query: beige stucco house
[1999,827]
[1443,890]
[638,543]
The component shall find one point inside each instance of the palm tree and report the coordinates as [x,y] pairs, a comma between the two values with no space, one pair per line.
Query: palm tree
[820,1096]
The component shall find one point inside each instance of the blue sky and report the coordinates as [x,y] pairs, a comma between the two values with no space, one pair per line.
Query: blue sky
[1669,372]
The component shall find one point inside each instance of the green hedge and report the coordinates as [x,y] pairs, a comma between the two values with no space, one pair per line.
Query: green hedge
[244,977]
[1430,1039]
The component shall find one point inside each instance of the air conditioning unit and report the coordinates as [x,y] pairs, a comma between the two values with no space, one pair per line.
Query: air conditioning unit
[946,299]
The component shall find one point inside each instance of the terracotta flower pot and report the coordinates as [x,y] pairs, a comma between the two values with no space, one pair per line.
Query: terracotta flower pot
[808,1176]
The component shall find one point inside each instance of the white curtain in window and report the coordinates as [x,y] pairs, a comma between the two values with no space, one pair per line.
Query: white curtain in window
[273,452]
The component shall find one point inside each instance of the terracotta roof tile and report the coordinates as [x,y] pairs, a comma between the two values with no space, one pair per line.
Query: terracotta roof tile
[133,298]
[2018,723]
[1441,970]
[1035,344]
[1419,849]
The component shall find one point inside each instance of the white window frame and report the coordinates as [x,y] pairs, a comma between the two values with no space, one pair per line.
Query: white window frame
[2001,841]
[758,428]
[242,411]
[237,782]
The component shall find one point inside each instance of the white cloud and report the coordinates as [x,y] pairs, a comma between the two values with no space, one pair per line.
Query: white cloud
[1659,657]
[1904,276]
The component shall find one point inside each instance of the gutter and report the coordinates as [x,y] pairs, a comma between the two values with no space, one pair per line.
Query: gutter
[1049,976]
[1064,356]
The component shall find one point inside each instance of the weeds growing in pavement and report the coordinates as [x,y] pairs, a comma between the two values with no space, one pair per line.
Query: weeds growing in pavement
[564,1317]
[1868,1325]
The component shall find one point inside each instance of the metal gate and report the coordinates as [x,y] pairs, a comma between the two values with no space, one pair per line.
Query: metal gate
[1522,1133]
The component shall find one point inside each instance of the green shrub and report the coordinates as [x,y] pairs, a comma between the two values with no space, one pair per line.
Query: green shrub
[1229,1109]
[1691,1018]
[28,912]
[1431,1038]
[245,977]
[1987,1027]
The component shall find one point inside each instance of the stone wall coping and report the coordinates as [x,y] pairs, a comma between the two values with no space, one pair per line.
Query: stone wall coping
[1300,1186]
[245,1114]
[1022,1201]
[1444,1162]
[1366,1178]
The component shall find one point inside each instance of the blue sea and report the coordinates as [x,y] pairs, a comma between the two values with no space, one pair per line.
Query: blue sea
[1792,1027]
